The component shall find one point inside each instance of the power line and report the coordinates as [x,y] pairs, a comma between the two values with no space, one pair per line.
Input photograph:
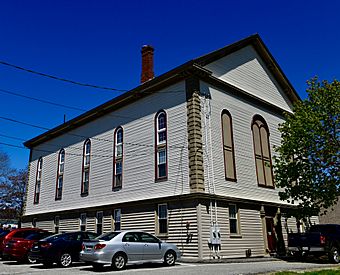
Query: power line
[81,136]
[60,78]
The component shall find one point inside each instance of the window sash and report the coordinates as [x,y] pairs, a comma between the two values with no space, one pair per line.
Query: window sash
[233,219]
[117,219]
[163,218]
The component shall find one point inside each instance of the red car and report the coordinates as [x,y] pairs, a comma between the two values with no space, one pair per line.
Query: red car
[3,234]
[18,242]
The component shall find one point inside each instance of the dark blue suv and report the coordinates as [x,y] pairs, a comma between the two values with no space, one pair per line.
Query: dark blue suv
[62,249]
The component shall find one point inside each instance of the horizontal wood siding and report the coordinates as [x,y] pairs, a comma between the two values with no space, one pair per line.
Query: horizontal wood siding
[139,218]
[26,224]
[251,236]
[107,224]
[246,70]
[242,113]
[69,225]
[137,121]
[46,225]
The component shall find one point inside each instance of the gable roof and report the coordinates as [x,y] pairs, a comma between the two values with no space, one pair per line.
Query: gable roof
[181,72]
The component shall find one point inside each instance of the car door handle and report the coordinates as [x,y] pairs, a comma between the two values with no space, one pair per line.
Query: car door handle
[145,244]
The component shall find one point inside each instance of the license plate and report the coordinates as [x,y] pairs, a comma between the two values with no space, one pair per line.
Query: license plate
[305,248]
[88,249]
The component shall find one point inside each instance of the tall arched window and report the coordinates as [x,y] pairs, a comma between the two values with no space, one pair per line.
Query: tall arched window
[38,181]
[86,168]
[118,158]
[228,146]
[60,175]
[161,159]
[263,160]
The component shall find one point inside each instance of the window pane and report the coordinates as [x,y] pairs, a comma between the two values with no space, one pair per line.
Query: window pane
[62,157]
[99,217]
[264,141]
[257,143]
[88,148]
[226,124]
[118,168]
[260,173]
[161,170]
[119,137]
[268,171]
[163,226]
[60,182]
[229,164]
[161,121]
[61,168]
[119,150]
[233,226]
[162,137]
[232,211]
[163,211]
[162,157]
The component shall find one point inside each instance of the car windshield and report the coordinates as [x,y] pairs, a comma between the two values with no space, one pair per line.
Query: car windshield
[54,237]
[107,236]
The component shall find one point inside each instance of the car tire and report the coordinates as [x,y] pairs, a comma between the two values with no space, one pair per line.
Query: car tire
[97,267]
[65,260]
[119,261]
[169,258]
[334,255]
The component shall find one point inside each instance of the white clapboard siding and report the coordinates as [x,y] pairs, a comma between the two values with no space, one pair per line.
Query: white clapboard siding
[69,225]
[91,224]
[137,120]
[138,218]
[242,113]
[246,70]
[251,236]
[46,225]
[26,224]
[107,224]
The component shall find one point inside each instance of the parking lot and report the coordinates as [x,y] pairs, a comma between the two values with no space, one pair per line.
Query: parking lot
[260,266]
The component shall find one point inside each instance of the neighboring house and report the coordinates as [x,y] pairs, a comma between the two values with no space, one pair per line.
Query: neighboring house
[332,215]
[184,155]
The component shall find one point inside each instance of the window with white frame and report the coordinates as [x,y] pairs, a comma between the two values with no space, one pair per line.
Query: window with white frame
[83,222]
[86,168]
[161,146]
[118,158]
[162,219]
[60,175]
[117,214]
[99,222]
[38,181]
[233,219]
[56,224]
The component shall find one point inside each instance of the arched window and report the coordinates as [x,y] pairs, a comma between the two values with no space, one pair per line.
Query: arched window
[118,158]
[228,146]
[38,181]
[86,168]
[60,175]
[161,159]
[263,161]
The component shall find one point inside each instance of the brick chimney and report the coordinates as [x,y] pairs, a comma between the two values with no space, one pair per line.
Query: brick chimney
[147,63]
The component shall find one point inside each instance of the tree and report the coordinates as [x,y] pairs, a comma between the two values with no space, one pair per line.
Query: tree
[12,190]
[307,166]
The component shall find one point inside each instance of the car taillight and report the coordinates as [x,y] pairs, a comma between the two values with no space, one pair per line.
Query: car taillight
[99,246]
[45,245]
[322,239]
[83,247]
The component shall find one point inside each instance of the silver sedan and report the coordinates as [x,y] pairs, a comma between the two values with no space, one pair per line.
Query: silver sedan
[119,248]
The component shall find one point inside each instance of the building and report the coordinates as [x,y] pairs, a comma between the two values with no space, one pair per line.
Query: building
[186,156]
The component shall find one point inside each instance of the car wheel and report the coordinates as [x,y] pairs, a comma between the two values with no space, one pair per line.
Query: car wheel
[30,261]
[169,258]
[334,255]
[97,266]
[65,260]
[119,261]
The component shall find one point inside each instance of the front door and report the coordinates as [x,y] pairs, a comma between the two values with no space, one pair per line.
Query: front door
[152,247]
[133,248]
[271,235]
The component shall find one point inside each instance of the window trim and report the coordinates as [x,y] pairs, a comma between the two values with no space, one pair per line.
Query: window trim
[161,146]
[238,224]
[56,225]
[258,117]
[101,224]
[120,219]
[82,193]
[80,222]
[226,112]
[114,186]
[59,174]
[167,220]
[36,196]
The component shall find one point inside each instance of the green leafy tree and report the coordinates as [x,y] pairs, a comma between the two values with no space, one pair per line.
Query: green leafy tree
[307,166]
[12,190]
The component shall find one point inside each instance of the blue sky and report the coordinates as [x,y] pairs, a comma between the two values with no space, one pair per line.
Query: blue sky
[99,42]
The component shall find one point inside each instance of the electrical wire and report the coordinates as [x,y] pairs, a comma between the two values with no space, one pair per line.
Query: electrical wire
[60,78]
